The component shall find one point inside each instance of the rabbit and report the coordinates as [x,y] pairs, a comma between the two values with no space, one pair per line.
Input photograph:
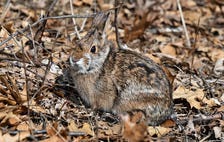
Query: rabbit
[118,80]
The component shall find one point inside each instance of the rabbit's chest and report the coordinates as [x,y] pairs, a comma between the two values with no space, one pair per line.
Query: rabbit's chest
[84,85]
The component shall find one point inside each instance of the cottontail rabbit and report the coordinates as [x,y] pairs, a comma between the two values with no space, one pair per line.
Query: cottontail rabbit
[118,80]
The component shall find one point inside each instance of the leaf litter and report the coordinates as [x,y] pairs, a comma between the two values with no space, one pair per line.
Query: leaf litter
[32,108]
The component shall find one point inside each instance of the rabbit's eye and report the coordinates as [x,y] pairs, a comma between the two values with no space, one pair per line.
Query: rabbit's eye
[93,49]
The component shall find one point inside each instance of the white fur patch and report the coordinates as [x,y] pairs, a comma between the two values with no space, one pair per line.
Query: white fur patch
[83,67]
[94,62]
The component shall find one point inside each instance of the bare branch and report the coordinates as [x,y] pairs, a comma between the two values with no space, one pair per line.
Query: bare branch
[42,19]
[74,22]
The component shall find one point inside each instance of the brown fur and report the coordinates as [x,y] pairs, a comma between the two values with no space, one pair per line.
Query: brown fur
[119,80]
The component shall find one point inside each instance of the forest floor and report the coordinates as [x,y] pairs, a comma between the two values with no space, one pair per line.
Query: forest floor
[34,51]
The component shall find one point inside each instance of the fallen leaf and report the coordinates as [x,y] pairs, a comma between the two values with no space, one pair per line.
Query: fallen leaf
[195,98]
[86,128]
[24,126]
[158,130]
[168,49]
[52,129]
[54,138]
[72,126]
[15,138]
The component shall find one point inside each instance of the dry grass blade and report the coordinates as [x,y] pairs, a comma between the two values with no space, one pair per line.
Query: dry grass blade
[184,24]
[11,86]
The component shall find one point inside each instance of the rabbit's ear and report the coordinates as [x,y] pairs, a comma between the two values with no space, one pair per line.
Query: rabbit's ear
[101,23]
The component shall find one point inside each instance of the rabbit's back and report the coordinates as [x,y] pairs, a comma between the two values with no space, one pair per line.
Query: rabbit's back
[141,85]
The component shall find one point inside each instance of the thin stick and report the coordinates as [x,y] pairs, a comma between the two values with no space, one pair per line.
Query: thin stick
[27,88]
[83,24]
[39,33]
[219,115]
[115,23]
[184,24]
[205,138]
[42,19]
[74,22]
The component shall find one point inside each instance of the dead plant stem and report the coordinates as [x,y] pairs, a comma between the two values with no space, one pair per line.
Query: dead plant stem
[184,24]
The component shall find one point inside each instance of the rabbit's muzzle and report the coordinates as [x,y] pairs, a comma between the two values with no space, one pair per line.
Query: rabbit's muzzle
[82,64]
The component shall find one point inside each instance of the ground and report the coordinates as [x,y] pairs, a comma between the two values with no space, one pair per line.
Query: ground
[186,38]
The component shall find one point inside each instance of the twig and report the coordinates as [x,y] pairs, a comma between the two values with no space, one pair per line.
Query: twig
[44,131]
[83,23]
[39,33]
[184,24]
[205,138]
[40,20]
[115,22]
[73,19]
[202,119]
[41,28]
[33,44]
[192,51]
[27,88]
[5,79]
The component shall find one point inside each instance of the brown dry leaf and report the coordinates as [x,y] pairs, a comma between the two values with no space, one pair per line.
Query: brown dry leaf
[168,49]
[103,5]
[168,123]
[14,138]
[77,2]
[167,58]
[195,98]
[23,93]
[56,133]
[52,129]
[29,12]
[24,126]
[192,16]
[116,129]
[54,138]
[188,3]
[10,27]
[10,119]
[4,34]
[159,131]
[89,2]
[220,109]
[1,137]
[155,59]
[86,128]
[216,54]
[134,127]
[137,30]
[3,114]
[10,83]
[7,100]
[2,105]
[72,126]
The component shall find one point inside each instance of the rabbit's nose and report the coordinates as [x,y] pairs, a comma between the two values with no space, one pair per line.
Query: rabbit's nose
[72,60]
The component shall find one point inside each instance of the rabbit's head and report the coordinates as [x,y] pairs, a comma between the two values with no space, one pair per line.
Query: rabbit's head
[91,51]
